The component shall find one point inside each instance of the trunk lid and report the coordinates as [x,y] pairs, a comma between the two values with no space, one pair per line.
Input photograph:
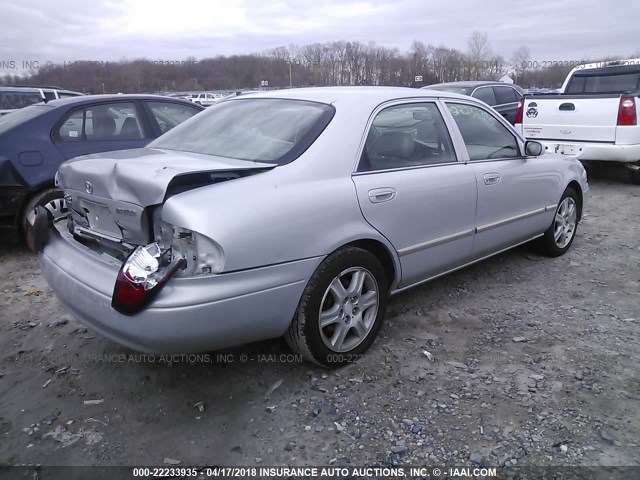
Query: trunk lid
[108,193]
[572,118]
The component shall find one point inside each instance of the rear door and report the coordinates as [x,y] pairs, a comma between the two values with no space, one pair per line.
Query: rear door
[516,195]
[412,188]
[101,127]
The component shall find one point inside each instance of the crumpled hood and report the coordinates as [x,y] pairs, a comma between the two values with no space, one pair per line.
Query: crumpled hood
[142,176]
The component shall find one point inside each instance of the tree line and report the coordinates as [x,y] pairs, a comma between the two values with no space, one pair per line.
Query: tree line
[318,64]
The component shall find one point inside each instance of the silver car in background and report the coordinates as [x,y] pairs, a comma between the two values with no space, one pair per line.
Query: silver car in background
[297,213]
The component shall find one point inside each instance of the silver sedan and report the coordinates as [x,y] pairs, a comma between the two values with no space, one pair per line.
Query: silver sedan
[297,213]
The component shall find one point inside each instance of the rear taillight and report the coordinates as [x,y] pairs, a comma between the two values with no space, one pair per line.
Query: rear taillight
[141,277]
[520,111]
[627,111]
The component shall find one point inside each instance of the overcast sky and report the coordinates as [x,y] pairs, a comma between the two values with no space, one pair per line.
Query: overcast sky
[48,31]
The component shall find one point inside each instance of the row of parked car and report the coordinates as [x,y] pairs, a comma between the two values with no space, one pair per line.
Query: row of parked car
[593,118]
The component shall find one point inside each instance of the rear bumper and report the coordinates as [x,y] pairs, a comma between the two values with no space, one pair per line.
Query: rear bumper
[190,314]
[603,152]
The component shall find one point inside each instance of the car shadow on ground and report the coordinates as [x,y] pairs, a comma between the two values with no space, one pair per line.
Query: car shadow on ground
[607,173]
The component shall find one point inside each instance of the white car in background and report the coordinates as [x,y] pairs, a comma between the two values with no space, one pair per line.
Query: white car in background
[205,98]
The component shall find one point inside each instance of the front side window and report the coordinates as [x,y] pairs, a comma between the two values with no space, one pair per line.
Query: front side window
[260,129]
[169,115]
[104,122]
[486,95]
[485,136]
[407,135]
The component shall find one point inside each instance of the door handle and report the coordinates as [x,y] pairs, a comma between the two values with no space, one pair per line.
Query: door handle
[491,178]
[379,195]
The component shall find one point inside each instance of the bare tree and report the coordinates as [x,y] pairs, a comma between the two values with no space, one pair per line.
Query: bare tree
[520,61]
[479,51]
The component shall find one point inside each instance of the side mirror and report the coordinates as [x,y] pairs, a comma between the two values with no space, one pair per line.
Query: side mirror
[533,148]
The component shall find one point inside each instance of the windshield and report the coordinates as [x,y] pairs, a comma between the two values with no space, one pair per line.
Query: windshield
[260,130]
[18,117]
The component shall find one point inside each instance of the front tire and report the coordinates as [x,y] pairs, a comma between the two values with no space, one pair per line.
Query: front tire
[559,236]
[341,310]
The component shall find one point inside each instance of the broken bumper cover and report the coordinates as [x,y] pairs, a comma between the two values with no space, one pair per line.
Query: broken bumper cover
[189,315]
[600,152]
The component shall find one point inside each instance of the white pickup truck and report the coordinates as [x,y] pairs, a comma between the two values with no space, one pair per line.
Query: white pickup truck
[594,118]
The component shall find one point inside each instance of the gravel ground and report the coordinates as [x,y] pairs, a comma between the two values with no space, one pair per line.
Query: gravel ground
[535,362]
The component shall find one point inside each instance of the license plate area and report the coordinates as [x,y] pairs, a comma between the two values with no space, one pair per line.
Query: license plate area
[100,218]
[564,149]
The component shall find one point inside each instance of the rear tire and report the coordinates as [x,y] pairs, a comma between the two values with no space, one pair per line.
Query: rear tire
[559,236]
[51,199]
[341,310]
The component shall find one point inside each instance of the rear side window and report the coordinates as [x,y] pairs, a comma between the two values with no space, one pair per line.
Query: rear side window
[104,122]
[407,136]
[486,95]
[505,95]
[258,129]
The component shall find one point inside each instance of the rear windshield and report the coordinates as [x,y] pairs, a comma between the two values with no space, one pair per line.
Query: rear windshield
[618,83]
[256,129]
[15,100]
[18,117]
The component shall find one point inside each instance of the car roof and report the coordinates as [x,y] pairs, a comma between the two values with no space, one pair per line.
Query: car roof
[79,100]
[18,88]
[36,88]
[347,95]
[468,83]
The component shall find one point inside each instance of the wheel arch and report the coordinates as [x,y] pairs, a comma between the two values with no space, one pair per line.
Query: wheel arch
[389,262]
[578,189]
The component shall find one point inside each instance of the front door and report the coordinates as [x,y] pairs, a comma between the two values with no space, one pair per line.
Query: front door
[515,193]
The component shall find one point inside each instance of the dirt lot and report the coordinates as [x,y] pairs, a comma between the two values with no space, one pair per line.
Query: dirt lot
[535,363]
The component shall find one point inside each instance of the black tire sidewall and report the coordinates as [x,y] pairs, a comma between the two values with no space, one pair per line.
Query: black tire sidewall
[349,258]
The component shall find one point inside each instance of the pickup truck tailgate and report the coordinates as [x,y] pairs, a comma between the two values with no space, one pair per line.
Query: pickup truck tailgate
[571,117]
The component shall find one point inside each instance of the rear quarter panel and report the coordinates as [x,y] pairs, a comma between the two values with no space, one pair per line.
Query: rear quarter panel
[262,220]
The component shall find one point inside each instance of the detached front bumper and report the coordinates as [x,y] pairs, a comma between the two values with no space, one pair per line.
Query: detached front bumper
[189,315]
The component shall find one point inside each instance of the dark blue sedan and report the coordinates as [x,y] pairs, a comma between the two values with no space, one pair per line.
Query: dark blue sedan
[35,140]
